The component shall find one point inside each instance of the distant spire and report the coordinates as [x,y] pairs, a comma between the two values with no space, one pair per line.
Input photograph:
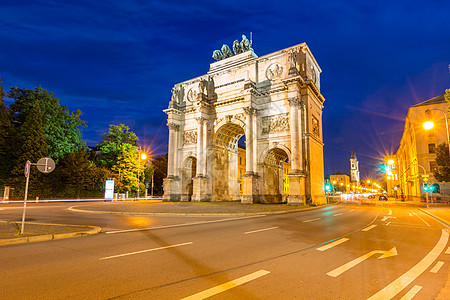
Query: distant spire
[251,41]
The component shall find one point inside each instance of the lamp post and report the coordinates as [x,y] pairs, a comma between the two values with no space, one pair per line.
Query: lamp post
[143,156]
[429,124]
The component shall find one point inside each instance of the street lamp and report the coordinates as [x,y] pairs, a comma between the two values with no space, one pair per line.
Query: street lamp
[144,157]
[429,124]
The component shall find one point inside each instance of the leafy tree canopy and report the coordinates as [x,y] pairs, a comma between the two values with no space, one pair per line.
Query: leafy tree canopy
[61,127]
[442,172]
[111,145]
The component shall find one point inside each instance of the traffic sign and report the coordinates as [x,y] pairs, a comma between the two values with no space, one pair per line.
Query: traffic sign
[27,168]
[46,165]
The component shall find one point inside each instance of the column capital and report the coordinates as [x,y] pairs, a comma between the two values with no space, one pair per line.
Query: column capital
[249,110]
[173,126]
[200,120]
[294,101]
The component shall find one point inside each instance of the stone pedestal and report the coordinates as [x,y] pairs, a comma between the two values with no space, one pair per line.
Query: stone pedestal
[250,193]
[200,190]
[296,189]
[172,188]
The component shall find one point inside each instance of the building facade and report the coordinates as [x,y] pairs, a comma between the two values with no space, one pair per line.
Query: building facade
[340,182]
[413,163]
[274,101]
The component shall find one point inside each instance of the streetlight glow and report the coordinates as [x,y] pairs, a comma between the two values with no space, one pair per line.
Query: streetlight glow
[390,162]
[428,125]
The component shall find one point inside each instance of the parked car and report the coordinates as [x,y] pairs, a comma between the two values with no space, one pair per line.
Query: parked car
[371,197]
[382,197]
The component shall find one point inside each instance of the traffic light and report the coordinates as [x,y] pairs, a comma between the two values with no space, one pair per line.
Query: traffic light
[327,187]
[431,188]
[426,188]
[387,168]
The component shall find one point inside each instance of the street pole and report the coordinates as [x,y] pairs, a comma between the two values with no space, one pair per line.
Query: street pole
[139,167]
[152,184]
[25,204]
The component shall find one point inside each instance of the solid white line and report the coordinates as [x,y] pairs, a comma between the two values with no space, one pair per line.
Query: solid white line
[437,267]
[403,281]
[331,245]
[147,250]
[182,224]
[369,227]
[422,219]
[226,286]
[338,214]
[259,230]
[448,251]
[411,293]
[390,212]
[311,220]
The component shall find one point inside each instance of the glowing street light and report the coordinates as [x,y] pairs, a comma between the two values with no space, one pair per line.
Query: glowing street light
[143,156]
[429,124]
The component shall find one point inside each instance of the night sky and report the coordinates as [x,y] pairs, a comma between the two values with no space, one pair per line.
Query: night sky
[117,61]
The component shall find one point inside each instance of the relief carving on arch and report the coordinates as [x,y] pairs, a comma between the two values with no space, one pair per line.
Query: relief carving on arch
[190,137]
[275,124]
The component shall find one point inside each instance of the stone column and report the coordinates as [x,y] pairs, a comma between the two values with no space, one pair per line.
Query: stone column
[294,104]
[248,140]
[255,142]
[200,153]
[172,151]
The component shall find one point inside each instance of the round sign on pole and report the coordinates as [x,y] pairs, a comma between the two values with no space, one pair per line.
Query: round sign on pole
[46,165]
[27,168]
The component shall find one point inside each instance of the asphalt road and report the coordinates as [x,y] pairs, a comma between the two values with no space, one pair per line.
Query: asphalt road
[337,252]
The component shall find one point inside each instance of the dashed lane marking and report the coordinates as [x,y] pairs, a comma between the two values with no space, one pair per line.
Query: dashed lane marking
[410,214]
[448,251]
[437,267]
[311,220]
[226,286]
[338,214]
[411,293]
[390,212]
[369,227]
[259,230]
[333,244]
[144,251]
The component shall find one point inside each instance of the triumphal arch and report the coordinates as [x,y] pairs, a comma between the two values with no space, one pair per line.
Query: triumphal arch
[274,103]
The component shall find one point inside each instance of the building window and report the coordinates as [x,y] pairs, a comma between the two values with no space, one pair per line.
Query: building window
[431,148]
[433,166]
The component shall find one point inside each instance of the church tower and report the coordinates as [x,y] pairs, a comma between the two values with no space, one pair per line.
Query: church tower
[354,169]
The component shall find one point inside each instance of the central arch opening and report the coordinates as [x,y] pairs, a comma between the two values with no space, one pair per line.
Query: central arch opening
[188,172]
[275,179]
[228,164]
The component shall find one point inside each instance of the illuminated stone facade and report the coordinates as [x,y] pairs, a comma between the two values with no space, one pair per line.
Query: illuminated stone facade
[275,102]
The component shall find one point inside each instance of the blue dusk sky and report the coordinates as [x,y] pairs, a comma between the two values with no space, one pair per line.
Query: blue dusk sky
[117,61]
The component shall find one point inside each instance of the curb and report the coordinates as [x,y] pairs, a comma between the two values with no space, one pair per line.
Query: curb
[436,217]
[49,237]
[195,214]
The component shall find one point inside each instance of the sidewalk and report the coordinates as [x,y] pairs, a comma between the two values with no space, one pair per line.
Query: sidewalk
[38,232]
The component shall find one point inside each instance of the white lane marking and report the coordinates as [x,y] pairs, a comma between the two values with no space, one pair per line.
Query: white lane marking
[437,267]
[259,230]
[333,244]
[338,214]
[369,227]
[182,224]
[390,212]
[351,210]
[388,223]
[311,220]
[338,271]
[410,214]
[226,286]
[411,293]
[403,281]
[422,219]
[448,251]
[147,250]
[387,217]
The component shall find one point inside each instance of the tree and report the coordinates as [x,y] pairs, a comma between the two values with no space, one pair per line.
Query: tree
[30,144]
[442,172]
[5,127]
[111,145]
[126,169]
[80,177]
[61,127]
[160,168]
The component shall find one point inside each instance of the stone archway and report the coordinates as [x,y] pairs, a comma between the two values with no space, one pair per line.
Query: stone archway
[225,177]
[275,180]
[187,174]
